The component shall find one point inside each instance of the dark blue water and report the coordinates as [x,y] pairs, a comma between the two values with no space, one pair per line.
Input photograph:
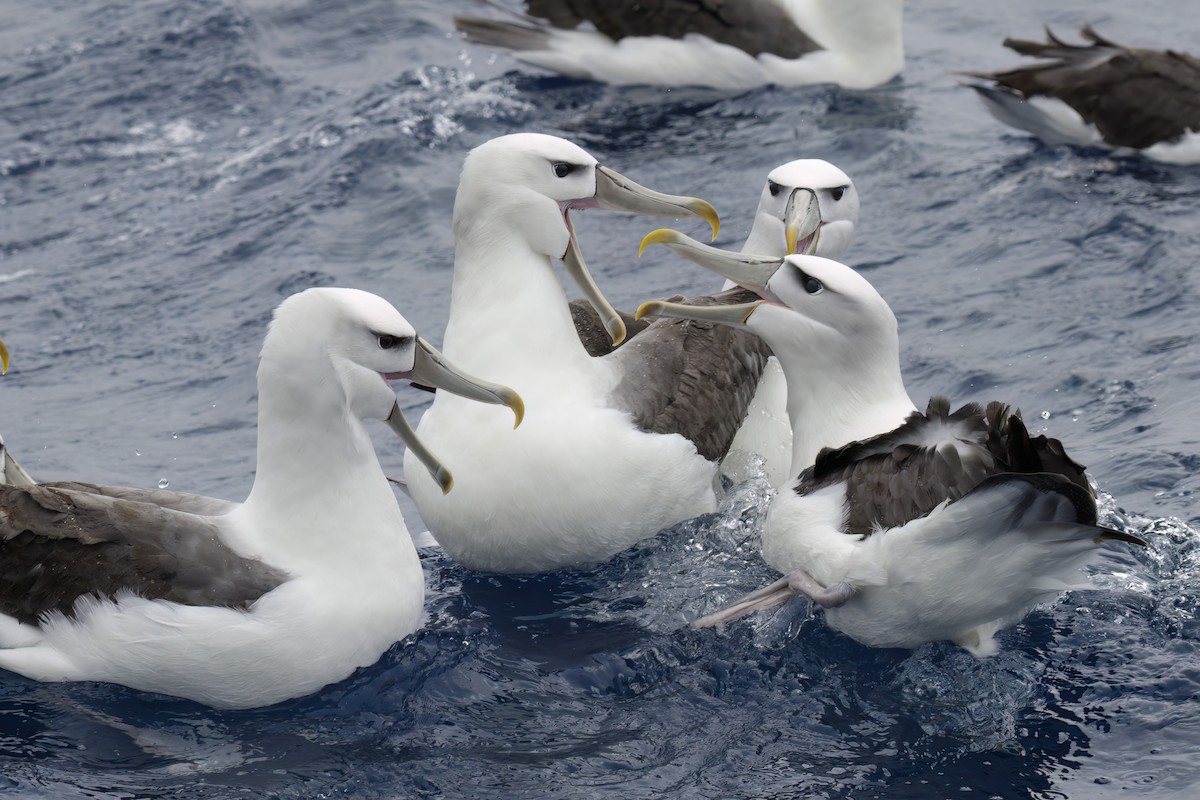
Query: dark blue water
[170,170]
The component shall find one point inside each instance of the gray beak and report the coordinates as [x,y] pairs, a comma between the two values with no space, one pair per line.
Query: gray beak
[431,368]
[748,271]
[802,221]
[732,315]
[617,193]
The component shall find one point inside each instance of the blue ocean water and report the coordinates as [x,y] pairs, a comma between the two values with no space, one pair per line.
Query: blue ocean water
[171,169]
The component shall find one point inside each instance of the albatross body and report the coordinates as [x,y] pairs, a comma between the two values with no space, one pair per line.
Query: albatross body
[610,450]
[907,527]
[1101,94]
[726,45]
[239,605]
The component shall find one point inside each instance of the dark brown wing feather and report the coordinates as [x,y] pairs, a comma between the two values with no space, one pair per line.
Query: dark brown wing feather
[934,457]
[692,378]
[58,543]
[1135,97]
[753,26]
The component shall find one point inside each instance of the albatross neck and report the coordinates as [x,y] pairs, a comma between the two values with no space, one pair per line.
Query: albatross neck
[318,487]
[832,412]
[507,306]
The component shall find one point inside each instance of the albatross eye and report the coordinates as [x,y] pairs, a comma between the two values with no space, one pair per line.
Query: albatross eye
[387,342]
[773,188]
[838,191]
[812,285]
[562,169]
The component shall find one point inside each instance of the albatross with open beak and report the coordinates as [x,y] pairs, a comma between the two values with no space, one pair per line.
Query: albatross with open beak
[241,605]
[613,449]
[907,527]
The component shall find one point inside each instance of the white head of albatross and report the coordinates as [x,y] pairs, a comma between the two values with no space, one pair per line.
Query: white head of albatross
[245,605]
[910,527]
[807,206]
[542,497]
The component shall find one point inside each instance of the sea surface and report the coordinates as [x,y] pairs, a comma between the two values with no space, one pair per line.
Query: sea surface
[170,170]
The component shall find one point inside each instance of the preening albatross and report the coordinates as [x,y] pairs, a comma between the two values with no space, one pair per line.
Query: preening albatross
[240,605]
[727,44]
[907,527]
[613,449]
[1101,94]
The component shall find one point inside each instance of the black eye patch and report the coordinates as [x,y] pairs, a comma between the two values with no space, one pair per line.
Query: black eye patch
[562,169]
[838,191]
[773,188]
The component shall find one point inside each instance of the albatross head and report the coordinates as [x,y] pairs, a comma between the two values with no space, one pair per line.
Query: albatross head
[807,206]
[368,343]
[530,183]
[835,337]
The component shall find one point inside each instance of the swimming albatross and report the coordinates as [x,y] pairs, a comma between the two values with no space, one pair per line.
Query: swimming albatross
[907,527]
[613,449]
[241,605]
[724,45]
[1101,94]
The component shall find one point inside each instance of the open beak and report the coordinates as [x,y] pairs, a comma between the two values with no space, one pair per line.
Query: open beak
[748,271]
[430,368]
[617,193]
[3,358]
[802,222]
[733,315]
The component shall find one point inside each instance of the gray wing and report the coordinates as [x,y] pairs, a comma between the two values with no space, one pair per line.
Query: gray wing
[753,26]
[932,458]
[692,378]
[164,498]
[58,543]
[1134,97]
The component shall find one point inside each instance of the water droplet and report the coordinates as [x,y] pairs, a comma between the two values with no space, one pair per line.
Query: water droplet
[1045,415]
[163,483]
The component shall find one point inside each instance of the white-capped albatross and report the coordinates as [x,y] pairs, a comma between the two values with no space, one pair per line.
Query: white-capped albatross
[241,605]
[1101,94]
[613,449]
[807,206]
[724,45]
[907,527]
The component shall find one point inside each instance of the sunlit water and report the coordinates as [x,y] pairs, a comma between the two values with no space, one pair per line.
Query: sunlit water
[169,171]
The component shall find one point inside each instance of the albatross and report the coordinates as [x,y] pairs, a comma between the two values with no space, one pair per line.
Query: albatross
[906,526]
[1101,94]
[724,45]
[241,605]
[614,448]
[807,206]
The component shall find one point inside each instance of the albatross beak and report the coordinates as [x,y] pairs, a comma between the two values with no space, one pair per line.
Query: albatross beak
[802,221]
[431,368]
[732,315]
[3,358]
[748,271]
[617,193]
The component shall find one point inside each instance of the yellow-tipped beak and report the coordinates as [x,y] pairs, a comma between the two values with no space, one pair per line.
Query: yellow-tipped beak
[3,358]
